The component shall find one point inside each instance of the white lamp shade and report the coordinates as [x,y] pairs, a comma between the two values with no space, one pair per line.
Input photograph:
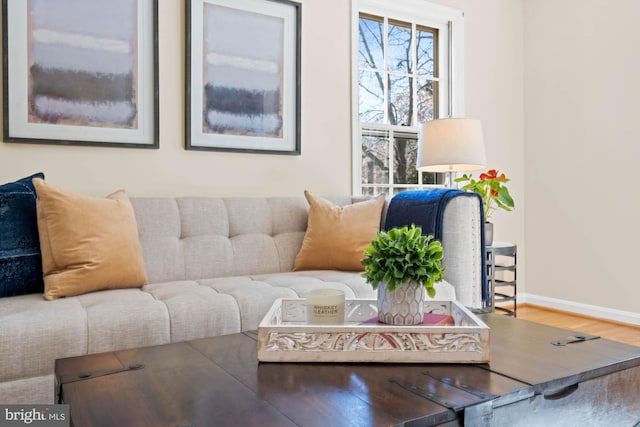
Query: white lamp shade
[451,145]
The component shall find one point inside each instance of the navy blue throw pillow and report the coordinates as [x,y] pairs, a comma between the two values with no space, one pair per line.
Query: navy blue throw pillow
[20,261]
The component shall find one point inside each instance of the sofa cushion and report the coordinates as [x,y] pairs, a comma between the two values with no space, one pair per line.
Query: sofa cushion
[196,311]
[119,319]
[87,243]
[20,262]
[253,297]
[35,332]
[337,236]
[255,294]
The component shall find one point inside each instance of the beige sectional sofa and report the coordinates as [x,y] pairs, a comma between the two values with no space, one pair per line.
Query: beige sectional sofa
[214,266]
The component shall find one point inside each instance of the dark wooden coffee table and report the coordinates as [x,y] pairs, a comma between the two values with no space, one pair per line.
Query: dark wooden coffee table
[218,381]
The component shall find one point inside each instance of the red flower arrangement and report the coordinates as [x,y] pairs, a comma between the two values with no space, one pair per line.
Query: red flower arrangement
[492,189]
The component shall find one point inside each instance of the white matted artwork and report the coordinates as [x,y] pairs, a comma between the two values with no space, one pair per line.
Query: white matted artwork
[81,72]
[243,76]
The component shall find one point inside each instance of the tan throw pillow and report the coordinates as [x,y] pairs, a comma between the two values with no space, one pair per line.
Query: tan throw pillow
[87,243]
[336,237]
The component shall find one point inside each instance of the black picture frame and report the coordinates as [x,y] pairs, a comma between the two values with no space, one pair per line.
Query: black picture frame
[243,74]
[76,76]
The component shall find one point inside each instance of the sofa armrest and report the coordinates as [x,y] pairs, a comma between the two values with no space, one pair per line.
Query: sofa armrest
[463,252]
[464,260]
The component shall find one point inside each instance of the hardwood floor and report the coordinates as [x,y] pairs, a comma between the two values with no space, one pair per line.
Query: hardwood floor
[629,334]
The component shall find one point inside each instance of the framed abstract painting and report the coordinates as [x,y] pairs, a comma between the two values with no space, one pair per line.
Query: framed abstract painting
[81,72]
[243,76]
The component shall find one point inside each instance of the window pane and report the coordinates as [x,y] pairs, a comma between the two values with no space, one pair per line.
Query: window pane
[400,100]
[404,161]
[375,159]
[399,56]
[432,178]
[371,97]
[367,191]
[425,57]
[371,32]
[426,100]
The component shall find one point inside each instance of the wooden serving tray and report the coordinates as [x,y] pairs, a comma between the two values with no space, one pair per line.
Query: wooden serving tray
[285,336]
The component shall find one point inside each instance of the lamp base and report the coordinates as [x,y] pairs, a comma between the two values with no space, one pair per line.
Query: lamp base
[449,179]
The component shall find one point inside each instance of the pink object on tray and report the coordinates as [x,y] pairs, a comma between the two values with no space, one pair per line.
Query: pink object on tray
[429,319]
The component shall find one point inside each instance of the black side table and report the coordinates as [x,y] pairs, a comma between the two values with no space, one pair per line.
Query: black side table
[502,259]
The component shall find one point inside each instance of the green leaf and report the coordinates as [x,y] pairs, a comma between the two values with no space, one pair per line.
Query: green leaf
[431,292]
[505,198]
[403,255]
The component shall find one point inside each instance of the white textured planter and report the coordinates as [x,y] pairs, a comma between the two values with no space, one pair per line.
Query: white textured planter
[404,306]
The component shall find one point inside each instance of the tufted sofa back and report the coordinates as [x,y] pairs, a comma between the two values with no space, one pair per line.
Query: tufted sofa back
[192,238]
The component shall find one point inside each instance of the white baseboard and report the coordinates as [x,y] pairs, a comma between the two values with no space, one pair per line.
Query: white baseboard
[579,308]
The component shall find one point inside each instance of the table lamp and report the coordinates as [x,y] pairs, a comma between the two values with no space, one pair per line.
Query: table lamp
[451,145]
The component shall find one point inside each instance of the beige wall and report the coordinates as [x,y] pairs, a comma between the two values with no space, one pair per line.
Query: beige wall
[323,167]
[494,94]
[582,107]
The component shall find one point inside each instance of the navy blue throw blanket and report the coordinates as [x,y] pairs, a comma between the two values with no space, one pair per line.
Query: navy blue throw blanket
[425,209]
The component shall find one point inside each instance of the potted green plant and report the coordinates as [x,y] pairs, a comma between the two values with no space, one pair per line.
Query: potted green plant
[403,264]
[493,190]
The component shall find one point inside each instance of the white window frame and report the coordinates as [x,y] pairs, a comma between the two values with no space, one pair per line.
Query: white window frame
[450,23]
